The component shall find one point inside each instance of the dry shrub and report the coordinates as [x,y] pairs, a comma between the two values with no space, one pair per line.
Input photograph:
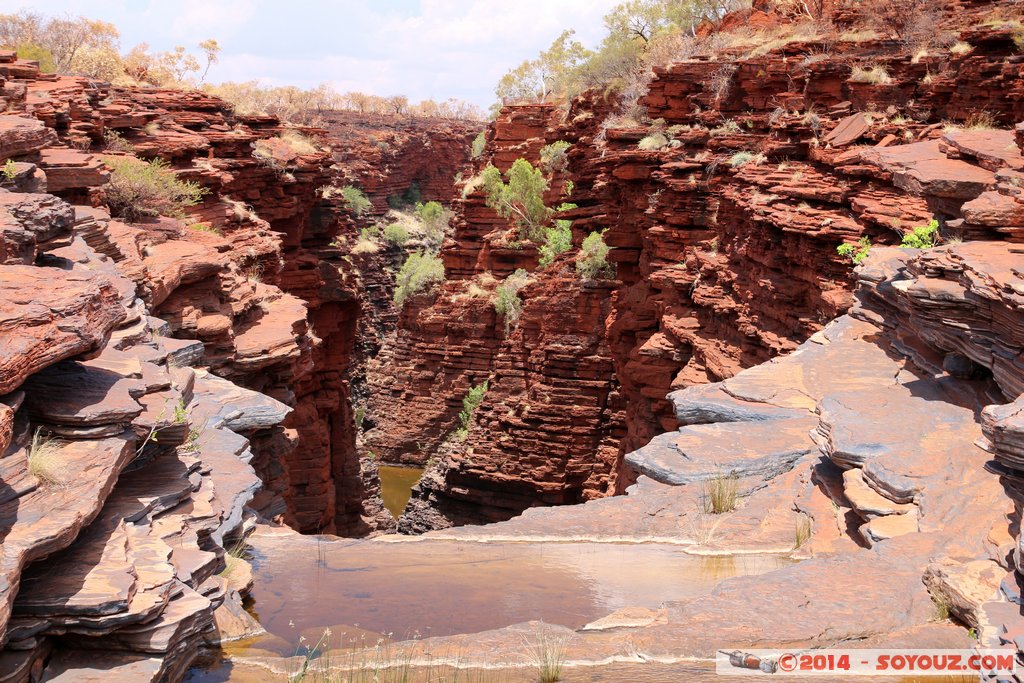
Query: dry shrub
[913,22]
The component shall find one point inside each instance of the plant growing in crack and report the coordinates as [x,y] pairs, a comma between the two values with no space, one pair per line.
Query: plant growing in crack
[855,252]
[474,397]
[45,462]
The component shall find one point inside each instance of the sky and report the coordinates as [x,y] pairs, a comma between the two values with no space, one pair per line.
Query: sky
[418,48]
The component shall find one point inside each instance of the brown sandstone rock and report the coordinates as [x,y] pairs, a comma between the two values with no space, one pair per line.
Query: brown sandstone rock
[50,314]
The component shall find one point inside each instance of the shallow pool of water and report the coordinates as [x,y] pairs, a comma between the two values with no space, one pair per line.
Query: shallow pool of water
[396,486]
[435,588]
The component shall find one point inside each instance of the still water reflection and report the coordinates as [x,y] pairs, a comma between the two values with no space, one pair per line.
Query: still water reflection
[436,588]
[396,486]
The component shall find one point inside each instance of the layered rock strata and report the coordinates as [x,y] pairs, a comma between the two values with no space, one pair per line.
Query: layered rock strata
[880,456]
[251,276]
[724,242]
[163,383]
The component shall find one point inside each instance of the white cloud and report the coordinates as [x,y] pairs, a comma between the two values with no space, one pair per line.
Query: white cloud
[198,19]
[424,48]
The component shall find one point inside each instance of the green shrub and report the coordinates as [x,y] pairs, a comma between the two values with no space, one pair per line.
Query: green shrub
[470,402]
[396,234]
[521,198]
[557,239]
[479,143]
[419,272]
[435,218]
[554,157]
[855,252]
[10,170]
[921,237]
[38,53]
[115,142]
[356,200]
[138,188]
[592,261]
[506,298]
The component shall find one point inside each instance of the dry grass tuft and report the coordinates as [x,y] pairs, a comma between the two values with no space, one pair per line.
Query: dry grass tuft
[720,494]
[45,463]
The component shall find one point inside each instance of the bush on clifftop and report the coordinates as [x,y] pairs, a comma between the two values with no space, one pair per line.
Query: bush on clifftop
[418,274]
[138,188]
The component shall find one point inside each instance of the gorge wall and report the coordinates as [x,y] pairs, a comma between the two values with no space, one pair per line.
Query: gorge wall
[724,242]
[165,382]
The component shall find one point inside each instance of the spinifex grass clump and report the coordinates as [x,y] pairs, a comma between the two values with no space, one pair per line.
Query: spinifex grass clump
[720,494]
[45,463]
[548,653]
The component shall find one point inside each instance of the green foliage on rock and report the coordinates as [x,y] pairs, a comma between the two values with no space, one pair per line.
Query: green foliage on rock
[396,234]
[855,252]
[553,157]
[521,198]
[470,402]
[507,302]
[592,261]
[557,239]
[434,217]
[358,203]
[479,143]
[138,188]
[418,274]
[921,237]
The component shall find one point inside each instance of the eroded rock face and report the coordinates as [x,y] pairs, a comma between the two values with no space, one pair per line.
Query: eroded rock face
[251,286]
[892,493]
[127,473]
[724,243]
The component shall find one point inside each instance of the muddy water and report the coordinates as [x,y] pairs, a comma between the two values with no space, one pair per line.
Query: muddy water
[435,588]
[396,486]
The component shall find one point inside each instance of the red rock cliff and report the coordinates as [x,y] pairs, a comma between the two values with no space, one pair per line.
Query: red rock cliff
[724,242]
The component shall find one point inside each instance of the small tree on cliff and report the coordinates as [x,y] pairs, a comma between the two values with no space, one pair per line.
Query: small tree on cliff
[507,302]
[472,400]
[520,198]
[592,261]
